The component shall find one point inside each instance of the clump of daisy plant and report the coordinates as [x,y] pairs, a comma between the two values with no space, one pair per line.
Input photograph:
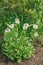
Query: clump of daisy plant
[17,47]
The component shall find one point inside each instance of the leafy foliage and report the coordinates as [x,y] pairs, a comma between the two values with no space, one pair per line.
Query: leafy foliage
[16,46]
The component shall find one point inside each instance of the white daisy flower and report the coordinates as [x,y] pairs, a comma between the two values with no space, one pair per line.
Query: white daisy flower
[35,26]
[17,21]
[25,26]
[36,34]
[11,25]
[7,30]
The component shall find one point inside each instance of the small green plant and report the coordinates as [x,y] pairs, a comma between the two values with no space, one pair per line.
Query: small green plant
[17,46]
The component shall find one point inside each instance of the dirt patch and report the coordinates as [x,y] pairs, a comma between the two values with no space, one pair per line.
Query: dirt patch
[36,59]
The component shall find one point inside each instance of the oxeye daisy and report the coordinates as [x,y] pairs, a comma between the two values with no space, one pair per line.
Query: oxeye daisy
[35,26]
[11,25]
[7,30]
[36,34]
[17,21]
[25,26]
